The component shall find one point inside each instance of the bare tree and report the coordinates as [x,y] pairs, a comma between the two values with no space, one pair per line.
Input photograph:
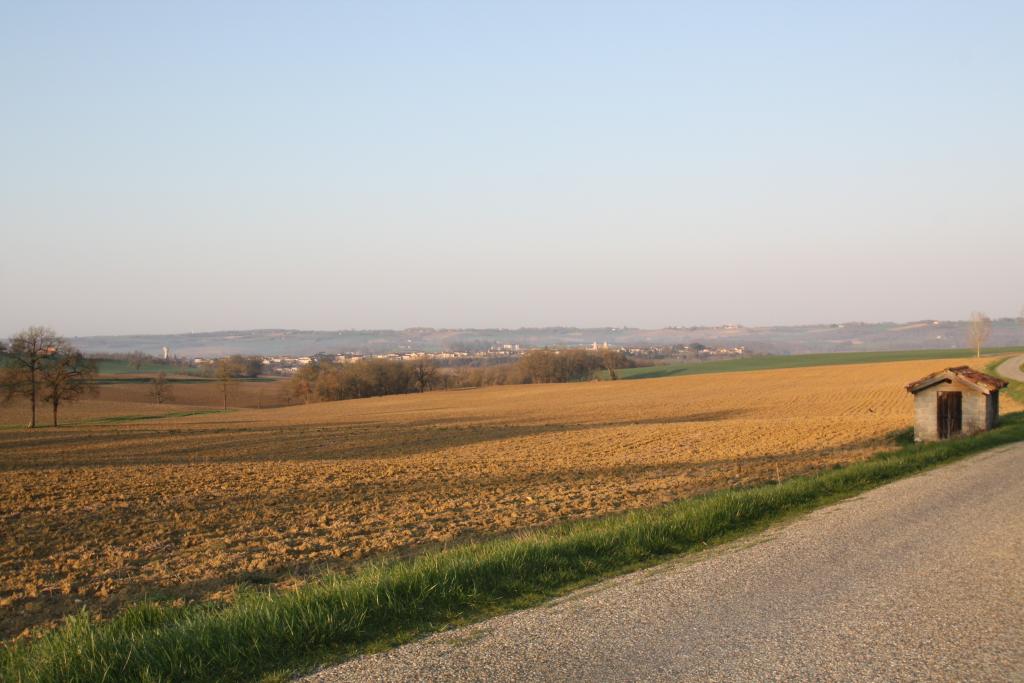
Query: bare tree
[161,388]
[612,360]
[978,331]
[303,383]
[284,392]
[226,371]
[136,360]
[424,374]
[66,376]
[22,371]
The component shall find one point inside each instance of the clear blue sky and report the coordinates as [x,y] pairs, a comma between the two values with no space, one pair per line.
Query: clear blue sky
[185,166]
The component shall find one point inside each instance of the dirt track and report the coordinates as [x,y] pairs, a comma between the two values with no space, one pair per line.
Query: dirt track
[1012,368]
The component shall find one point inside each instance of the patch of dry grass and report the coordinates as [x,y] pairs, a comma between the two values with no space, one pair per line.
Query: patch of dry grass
[16,412]
[128,398]
[242,394]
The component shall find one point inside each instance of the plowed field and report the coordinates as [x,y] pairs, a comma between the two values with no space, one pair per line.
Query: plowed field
[100,514]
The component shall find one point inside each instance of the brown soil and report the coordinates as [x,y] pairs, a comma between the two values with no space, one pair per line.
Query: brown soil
[98,515]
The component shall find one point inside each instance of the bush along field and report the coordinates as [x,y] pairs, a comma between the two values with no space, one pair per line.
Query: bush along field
[274,634]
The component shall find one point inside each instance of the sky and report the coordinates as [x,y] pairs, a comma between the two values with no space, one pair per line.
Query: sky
[196,166]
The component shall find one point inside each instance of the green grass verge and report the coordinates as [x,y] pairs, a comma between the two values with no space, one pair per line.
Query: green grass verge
[110,366]
[114,380]
[272,634]
[797,361]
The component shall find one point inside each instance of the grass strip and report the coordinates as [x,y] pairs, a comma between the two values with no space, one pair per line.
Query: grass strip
[117,419]
[114,380]
[271,634]
[807,360]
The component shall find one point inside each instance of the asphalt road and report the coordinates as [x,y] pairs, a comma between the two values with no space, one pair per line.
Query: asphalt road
[1011,368]
[920,580]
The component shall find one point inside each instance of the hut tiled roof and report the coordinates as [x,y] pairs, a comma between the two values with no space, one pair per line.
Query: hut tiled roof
[979,380]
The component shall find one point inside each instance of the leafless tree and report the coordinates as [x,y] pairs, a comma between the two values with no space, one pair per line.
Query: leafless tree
[424,375]
[136,359]
[284,393]
[978,331]
[22,372]
[612,360]
[303,383]
[66,376]
[226,371]
[161,388]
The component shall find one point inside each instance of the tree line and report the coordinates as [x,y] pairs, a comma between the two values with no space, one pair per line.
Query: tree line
[323,380]
[546,366]
[43,367]
[136,360]
[328,381]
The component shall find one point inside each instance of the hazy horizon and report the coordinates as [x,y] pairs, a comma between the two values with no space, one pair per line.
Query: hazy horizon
[171,332]
[820,323]
[236,166]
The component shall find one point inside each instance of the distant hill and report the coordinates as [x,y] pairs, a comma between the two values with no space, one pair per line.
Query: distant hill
[839,337]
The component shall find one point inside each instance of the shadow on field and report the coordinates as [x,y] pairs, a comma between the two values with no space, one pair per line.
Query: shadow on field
[603,487]
[128,445]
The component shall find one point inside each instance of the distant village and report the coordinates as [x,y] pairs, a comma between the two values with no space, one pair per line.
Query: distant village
[496,354]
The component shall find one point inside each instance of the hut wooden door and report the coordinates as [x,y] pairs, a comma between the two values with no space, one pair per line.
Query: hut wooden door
[950,413]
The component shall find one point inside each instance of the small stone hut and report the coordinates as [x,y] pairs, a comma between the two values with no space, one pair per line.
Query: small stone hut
[954,401]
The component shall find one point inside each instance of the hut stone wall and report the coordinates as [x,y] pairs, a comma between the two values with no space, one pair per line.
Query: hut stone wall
[979,410]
